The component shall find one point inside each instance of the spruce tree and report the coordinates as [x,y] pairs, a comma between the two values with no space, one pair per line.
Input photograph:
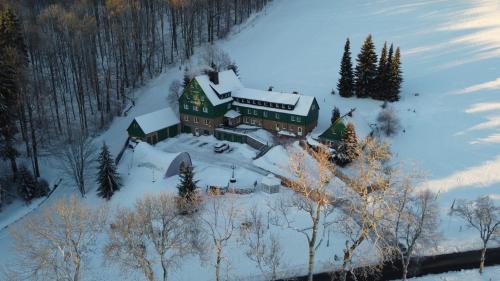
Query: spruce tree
[382,81]
[345,85]
[187,186]
[26,184]
[366,69]
[396,77]
[335,115]
[349,149]
[107,176]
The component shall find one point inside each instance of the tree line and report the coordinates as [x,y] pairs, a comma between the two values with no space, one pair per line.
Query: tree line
[68,66]
[380,80]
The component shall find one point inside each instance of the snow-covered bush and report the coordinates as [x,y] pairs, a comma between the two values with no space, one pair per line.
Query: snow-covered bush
[388,122]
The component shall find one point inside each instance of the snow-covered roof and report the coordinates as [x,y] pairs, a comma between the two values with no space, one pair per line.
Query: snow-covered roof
[270,180]
[266,96]
[228,82]
[232,114]
[301,108]
[157,120]
[286,133]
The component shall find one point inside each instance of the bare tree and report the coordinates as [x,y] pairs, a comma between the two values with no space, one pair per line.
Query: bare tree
[174,94]
[482,215]
[312,174]
[56,243]
[219,220]
[263,247]
[215,57]
[153,231]
[415,222]
[76,159]
[364,205]
[388,122]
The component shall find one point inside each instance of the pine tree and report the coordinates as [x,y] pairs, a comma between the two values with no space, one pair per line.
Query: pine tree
[366,69]
[335,115]
[187,186]
[382,75]
[349,149]
[26,184]
[396,77]
[107,177]
[345,85]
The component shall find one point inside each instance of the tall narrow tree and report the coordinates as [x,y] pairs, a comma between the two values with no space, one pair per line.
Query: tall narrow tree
[108,178]
[366,69]
[396,77]
[187,186]
[345,85]
[382,75]
[349,149]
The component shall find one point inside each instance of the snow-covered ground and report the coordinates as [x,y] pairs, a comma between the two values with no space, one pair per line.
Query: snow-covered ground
[451,58]
[489,274]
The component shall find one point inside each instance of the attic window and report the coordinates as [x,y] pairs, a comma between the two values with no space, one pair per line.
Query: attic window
[289,107]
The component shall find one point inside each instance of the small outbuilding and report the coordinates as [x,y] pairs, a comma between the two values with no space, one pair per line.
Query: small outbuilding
[155,126]
[270,184]
[333,135]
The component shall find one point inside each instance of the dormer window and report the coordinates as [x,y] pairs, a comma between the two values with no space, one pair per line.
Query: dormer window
[289,107]
[205,109]
[283,106]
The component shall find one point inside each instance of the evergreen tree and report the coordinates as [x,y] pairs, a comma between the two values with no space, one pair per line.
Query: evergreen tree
[187,186]
[107,177]
[382,81]
[28,187]
[349,149]
[345,85]
[396,77]
[234,68]
[366,69]
[335,115]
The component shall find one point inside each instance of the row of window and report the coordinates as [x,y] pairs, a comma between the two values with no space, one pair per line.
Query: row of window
[265,103]
[266,114]
[196,120]
[257,122]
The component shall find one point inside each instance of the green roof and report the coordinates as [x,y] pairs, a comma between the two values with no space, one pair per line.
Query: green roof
[334,133]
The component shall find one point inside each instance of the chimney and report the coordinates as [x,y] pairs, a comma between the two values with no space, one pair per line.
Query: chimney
[295,92]
[214,77]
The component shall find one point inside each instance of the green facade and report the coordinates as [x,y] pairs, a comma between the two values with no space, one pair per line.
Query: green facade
[193,96]
[227,136]
[334,133]
[134,130]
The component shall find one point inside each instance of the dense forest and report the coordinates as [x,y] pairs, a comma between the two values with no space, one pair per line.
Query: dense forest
[74,62]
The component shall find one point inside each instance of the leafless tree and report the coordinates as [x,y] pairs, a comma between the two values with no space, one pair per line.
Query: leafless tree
[415,222]
[219,219]
[312,174]
[174,94]
[388,122]
[56,243]
[482,215]
[215,57]
[364,205]
[76,159]
[263,247]
[154,231]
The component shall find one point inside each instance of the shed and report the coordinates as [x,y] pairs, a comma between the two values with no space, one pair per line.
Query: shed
[270,184]
[155,126]
[334,134]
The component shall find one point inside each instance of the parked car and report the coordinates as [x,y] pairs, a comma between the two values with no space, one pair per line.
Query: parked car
[221,147]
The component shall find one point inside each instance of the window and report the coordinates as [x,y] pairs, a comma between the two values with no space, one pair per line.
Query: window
[313,107]
[283,106]
[259,102]
[266,104]
[207,122]
[195,120]
[265,114]
[277,116]
[299,131]
[186,106]
[186,118]
[205,109]
[255,112]
[249,111]
[228,105]
[293,118]
[253,102]
[253,121]
[290,107]
[195,108]
[298,119]
[202,98]
[277,126]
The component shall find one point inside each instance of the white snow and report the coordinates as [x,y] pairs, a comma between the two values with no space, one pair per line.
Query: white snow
[228,82]
[266,96]
[232,114]
[157,120]
[490,274]
[301,108]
